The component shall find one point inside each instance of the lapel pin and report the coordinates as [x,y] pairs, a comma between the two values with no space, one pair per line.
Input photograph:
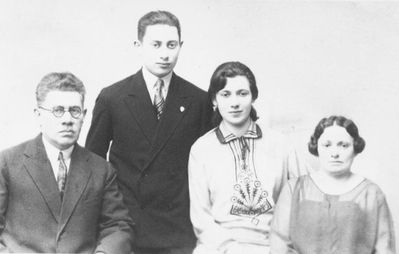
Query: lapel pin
[182,108]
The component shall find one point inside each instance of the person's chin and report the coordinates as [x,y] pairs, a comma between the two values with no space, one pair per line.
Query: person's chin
[238,123]
[339,171]
[161,72]
[67,141]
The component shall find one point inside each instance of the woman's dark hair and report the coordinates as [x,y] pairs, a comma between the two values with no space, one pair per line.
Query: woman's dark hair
[348,124]
[219,80]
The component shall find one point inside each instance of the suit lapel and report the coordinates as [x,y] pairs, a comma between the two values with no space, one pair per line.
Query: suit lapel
[39,168]
[139,104]
[78,176]
[176,106]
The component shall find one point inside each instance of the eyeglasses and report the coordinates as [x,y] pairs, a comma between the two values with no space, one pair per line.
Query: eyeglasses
[59,111]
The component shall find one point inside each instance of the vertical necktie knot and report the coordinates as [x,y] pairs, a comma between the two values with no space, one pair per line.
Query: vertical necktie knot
[62,174]
[159,101]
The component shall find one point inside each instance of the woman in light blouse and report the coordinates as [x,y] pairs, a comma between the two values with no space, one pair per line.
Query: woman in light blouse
[333,210]
[236,170]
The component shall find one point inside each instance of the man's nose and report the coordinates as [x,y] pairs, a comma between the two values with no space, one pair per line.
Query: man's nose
[67,118]
[164,53]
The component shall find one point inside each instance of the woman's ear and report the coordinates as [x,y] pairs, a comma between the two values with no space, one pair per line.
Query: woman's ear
[214,105]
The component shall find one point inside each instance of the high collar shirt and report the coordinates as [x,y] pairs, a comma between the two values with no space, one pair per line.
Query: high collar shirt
[52,154]
[150,81]
[234,183]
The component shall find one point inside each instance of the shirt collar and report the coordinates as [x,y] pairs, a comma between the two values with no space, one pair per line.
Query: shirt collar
[52,151]
[224,135]
[150,79]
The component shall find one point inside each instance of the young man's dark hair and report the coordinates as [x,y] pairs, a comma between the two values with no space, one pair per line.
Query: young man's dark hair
[156,18]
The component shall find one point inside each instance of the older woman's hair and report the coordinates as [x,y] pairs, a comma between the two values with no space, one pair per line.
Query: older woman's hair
[219,80]
[348,124]
[59,81]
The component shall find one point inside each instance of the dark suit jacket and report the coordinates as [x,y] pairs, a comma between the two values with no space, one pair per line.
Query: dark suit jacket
[151,157]
[33,219]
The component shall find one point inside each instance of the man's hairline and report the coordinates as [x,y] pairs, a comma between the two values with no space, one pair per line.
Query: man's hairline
[82,97]
[161,24]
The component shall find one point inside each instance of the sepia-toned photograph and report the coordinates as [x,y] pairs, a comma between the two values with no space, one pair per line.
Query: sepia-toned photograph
[203,127]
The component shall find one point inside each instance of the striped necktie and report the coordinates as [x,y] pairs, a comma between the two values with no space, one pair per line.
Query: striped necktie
[159,101]
[62,174]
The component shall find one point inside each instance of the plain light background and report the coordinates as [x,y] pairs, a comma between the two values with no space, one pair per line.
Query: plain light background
[311,59]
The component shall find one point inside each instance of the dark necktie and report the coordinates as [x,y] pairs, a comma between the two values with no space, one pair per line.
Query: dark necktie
[62,174]
[159,101]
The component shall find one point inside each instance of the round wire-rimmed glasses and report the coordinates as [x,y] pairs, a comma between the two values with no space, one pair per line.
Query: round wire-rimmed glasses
[59,111]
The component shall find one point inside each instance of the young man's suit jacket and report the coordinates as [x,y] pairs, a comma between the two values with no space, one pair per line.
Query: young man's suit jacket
[151,156]
[91,217]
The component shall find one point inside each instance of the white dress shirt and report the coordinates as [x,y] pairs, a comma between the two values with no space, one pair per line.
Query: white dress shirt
[52,155]
[150,80]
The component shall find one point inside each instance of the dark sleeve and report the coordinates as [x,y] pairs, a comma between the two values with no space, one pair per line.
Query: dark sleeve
[100,132]
[116,227]
[206,117]
[3,199]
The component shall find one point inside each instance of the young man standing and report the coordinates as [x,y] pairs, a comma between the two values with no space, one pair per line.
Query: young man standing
[151,119]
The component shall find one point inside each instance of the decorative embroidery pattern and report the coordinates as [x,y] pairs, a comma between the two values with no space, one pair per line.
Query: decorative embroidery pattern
[249,199]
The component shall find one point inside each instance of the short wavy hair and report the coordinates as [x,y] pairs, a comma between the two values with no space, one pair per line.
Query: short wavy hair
[219,80]
[59,81]
[156,18]
[348,124]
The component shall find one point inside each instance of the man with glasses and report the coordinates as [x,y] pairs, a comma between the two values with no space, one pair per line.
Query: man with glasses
[55,196]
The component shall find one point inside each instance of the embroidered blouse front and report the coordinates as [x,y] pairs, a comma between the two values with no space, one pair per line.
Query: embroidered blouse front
[234,183]
[249,198]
